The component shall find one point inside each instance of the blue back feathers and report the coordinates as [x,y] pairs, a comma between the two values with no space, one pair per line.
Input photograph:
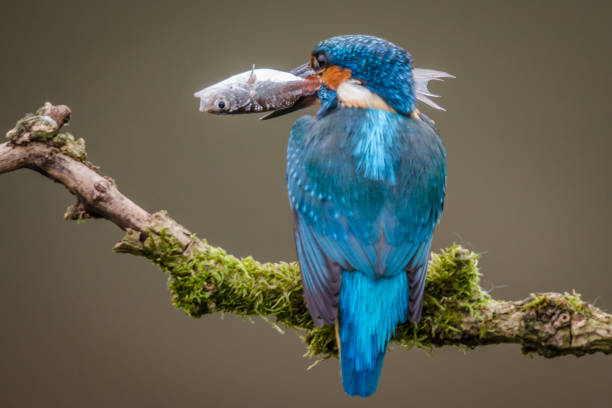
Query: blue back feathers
[366,188]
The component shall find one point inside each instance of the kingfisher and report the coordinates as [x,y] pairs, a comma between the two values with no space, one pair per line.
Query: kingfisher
[366,178]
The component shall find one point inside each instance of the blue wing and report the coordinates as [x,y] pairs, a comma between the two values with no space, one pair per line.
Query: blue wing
[366,189]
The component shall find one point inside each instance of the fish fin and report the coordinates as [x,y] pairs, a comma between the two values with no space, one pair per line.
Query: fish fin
[303,102]
[252,77]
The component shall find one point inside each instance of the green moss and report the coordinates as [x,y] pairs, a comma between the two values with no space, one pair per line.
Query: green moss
[569,302]
[452,290]
[321,342]
[574,300]
[210,280]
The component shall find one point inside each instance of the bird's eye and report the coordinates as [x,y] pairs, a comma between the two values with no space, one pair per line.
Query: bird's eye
[319,62]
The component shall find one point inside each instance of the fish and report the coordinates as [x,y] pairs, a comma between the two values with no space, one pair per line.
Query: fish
[280,92]
[258,90]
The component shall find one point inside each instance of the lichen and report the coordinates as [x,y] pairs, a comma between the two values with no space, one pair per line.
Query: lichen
[72,147]
[33,128]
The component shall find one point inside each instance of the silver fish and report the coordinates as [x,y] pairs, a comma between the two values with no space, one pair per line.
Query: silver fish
[257,90]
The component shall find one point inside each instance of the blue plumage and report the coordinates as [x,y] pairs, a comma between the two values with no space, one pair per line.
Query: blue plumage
[366,187]
[384,67]
[369,311]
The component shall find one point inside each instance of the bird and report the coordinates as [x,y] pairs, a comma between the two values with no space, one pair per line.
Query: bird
[366,178]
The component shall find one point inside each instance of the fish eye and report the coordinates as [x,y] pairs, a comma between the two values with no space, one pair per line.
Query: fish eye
[319,61]
[222,104]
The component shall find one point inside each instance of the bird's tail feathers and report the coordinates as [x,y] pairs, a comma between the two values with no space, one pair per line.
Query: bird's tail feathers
[370,309]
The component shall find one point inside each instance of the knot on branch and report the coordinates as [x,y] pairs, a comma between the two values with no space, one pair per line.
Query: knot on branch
[556,324]
[546,324]
[41,126]
[44,126]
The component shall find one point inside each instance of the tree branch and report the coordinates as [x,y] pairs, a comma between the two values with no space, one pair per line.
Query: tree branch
[204,279]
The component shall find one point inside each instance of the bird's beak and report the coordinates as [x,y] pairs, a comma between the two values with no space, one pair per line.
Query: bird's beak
[303,71]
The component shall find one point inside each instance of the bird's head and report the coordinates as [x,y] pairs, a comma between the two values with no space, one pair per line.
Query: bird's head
[362,71]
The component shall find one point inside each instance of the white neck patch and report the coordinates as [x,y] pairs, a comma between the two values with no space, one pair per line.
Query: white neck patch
[352,94]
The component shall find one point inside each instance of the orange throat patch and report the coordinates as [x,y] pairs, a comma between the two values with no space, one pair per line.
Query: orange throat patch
[351,92]
[333,76]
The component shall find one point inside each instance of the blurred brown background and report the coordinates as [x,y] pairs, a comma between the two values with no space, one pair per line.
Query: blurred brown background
[528,139]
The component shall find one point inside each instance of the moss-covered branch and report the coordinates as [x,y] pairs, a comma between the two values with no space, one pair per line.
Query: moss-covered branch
[457,311]
[204,279]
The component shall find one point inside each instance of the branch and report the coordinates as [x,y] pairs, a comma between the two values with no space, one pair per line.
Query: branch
[204,279]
